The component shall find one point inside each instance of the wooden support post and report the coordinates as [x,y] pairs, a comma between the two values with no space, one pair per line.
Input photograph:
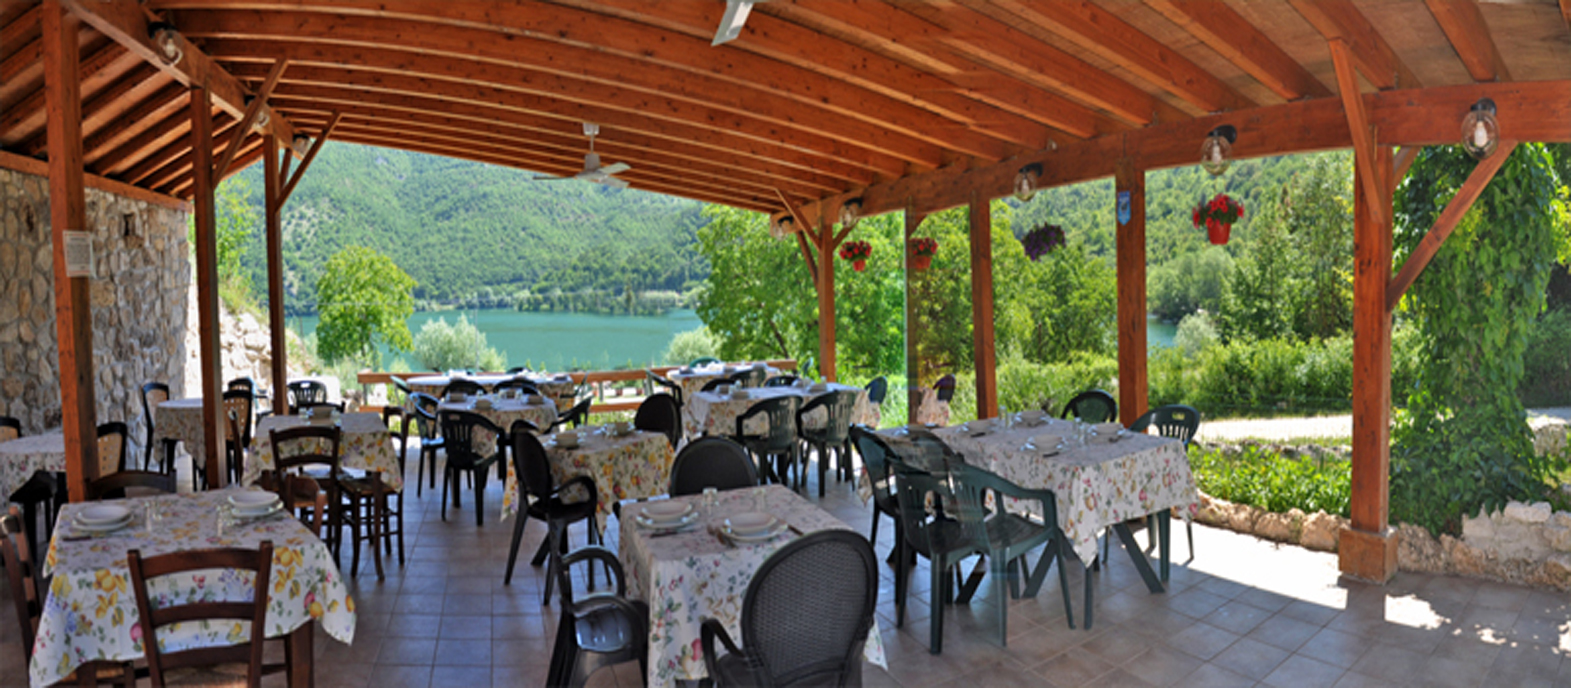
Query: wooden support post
[913,221]
[983,349]
[273,221]
[1131,240]
[1368,549]
[206,222]
[826,302]
[68,213]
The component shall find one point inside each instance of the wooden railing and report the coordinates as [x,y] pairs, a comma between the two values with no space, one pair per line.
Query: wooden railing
[610,391]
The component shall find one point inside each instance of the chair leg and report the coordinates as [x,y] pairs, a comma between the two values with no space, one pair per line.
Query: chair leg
[480,479]
[1000,579]
[1189,531]
[553,538]
[902,576]
[877,516]
[378,506]
[400,530]
[512,552]
[354,536]
[420,470]
[444,493]
[542,553]
[936,597]
[823,467]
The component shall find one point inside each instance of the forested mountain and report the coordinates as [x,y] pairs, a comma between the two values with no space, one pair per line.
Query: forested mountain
[463,229]
[468,230]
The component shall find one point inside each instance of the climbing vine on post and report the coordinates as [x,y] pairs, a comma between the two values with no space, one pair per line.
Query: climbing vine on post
[1464,442]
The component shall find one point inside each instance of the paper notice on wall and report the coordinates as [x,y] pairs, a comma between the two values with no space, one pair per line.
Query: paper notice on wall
[78,254]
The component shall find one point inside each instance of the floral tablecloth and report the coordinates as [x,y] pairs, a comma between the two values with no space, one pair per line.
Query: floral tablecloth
[180,420]
[1097,485]
[504,411]
[91,614]
[715,414]
[366,444]
[931,411]
[22,457]
[689,576]
[633,466]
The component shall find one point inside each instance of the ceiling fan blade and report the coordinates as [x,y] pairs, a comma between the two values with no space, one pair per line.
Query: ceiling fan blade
[614,182]
[616,168]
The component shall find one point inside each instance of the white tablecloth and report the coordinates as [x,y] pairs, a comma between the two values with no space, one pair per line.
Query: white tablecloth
[22,457]
[715,414]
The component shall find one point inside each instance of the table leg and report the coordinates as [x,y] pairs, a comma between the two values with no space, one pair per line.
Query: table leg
[1164,522]
[302,653]
[1138,557]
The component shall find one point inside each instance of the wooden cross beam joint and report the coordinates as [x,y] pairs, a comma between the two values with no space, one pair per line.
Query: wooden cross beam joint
[1448,220]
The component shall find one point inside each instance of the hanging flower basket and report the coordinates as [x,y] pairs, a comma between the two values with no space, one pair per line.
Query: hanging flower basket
[922,252]
[1217,216]
[1042,241]
[857,252]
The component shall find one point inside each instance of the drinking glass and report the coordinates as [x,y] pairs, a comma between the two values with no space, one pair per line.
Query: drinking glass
[711,500]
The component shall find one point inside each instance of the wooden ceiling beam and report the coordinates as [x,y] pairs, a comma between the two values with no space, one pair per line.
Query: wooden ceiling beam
[599,49]
[558,152]
[144,166]
[125,21]
[24,24]
[1359,130]
[26,117]
[781,40]
[1375,58]
[145,114]
[180,168]
[1418,117]
[100,108]
[150,140]
[1565,11]
[1104,34]
[1001,47]
[1224,30]
[746,154]
[183,184]
[252,110]
[1465,27]
[560,96]
[441,95]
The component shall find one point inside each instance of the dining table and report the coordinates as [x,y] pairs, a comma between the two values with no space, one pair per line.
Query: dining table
[714,413]
[692,380]
[22,457]
[694,573]
[180,420]
[90,611]
[1111,477]
[540,412]
[556,387]
[635,465]
[365,444]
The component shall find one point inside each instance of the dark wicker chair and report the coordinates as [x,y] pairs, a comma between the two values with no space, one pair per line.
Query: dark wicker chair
[576,416]
[834,434]
[424,406]
[463,386]
[656,380]
[460,435]
[1009,537]
[660,413]
[112,440]
[711,462]
[153,394]
[599,629]
[160,662]
[781,381]
[1092,406]
[304,392]
[535,483]
[115,486]
[776,450]
[805,617]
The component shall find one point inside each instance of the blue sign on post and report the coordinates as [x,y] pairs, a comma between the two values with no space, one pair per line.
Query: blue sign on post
[1124,211]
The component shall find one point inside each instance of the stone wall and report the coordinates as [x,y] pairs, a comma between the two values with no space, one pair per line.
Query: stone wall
[141,274]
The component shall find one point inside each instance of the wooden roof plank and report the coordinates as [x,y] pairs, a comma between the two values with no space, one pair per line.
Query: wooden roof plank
[24,24]
[27,116]
[126,22]
[1376,60]
[1222,29]
[1465,27]
[101,106]
[146,113]
[1101,32]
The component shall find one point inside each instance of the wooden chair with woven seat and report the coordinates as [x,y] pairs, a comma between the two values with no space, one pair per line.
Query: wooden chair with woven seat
[239,406]
[393,517]
[28,600]
[166,668]
[153,394]
[298,453]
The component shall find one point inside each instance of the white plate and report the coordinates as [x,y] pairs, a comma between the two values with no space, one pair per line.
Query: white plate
[259,512]
[103,527]
[665,525]
[666,510]
[253,500]
[1047,441]
[761,536]
[1108,428]
[1033,418]
[750,523]
[100,514]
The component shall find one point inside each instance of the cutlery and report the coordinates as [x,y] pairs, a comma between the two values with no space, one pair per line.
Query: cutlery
[795,529]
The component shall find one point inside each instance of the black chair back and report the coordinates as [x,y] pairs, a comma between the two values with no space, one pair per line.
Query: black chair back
[660,413]
[23,573]
[876,455]
[576,416]
[242,383]
[1177,421]
[463,386]
[522,384]
[303,392]
[1092,406]
[809,607]
[838,407]
[711,462]
[781,381]
[531,465]
[877,389]
[424,406]
[153,394]
[320,407]
[462,431]
[781,415]
[945,386]
[10,428]
[669,385]
[114,486]
[716,384]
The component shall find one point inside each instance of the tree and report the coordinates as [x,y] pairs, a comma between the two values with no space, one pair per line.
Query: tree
[365,300]
[759,299]
[441,347]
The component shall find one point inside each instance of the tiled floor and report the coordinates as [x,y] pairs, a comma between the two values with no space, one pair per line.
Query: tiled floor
[1245,612]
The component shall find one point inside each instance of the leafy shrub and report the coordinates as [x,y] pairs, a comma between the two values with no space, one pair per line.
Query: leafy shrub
[1263,478]
[1195,332]
[1023,384]
[1546,379]
[440,346]
[690,345]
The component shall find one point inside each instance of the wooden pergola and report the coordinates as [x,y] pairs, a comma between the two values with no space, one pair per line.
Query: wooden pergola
[900,105]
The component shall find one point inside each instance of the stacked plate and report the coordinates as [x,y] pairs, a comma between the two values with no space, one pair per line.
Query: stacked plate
[1033,418]
[253,504]
[666,514]
[1108,431]
[752,527]
[102,518]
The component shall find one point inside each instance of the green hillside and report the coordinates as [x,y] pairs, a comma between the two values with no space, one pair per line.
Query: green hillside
[463,229]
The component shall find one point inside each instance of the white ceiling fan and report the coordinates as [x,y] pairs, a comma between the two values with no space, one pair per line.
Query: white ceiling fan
[736,12]
[592,171]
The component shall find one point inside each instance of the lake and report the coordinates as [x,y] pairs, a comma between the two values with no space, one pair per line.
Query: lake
[564,341]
